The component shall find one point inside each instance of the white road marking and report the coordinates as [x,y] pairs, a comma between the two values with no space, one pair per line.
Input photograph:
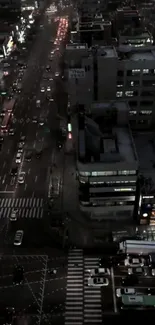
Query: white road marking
[113,290]
[36,178]
[4,164]
[25,187]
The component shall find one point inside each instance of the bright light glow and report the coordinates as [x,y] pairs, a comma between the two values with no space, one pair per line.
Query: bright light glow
[145,215]
[17,28]
[69,127]
[69,135]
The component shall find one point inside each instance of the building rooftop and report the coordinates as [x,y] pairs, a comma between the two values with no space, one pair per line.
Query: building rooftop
[107,51]
[136,54]
[100,141]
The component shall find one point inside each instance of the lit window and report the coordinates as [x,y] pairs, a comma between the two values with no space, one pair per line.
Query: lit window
[145,112]
[145,71]
[129,93]
[119,94]
[132,112]
[135,71]
[119,85]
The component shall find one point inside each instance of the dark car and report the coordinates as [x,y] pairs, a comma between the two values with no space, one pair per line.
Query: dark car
[1,139]
[0,146]
[18,275]
[14,170]
[9,314]
[39,154]
[130,280]
[28,156]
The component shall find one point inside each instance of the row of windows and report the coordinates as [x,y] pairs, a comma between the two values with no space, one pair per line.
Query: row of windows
[106,203]
[135,72]
[135,83]
[134,103]
[142,113]
[132,93]
[109,173]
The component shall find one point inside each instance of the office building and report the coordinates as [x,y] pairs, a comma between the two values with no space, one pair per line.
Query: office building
[107,163]
[103,73]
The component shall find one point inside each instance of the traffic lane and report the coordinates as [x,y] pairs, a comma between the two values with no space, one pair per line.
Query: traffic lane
[16,296]
[143,281]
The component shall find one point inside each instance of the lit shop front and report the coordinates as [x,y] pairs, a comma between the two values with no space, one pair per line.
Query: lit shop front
[8,46]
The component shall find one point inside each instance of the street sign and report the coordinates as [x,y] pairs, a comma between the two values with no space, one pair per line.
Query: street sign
[76,73]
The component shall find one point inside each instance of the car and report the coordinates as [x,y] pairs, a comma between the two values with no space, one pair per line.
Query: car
[97,282]
[18,158]
[125,291]
[42,89]
[100,270]
[137,270]
[153,272]
[14,170]
[48,88]
[130,280]
[28,156]
[41,122]
[21,178]
[38,154]
[20,147]
[22,139]
[1,139]
[14,215]
[134,262]
[34,119]
[48,68]
[1,146]
[11,132]
[18,237]
[18,275]
[56,74]
[38,103]
[9,314]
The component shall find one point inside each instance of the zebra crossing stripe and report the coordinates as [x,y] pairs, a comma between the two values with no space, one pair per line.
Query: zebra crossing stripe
[21,202]
[92,296]
[33,213]
[74,291]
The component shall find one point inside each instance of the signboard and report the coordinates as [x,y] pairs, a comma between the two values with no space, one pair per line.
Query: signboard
[76,73]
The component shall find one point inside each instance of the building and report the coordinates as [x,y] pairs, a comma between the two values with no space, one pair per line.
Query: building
[135,37]
[107,163]
[10,9]
[103,73]
[93,31]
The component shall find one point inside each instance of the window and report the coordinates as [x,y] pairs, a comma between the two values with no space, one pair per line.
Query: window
[129,93]
[134,83]
[133,103]
[135,72]
[120,73]
[119,84]
[127,172]
[119,93]
[104,173]
[145,71]
[146,103]
[145,112]
[132,113]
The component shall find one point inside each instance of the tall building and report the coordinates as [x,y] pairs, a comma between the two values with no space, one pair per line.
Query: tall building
[103,73]
[107,163]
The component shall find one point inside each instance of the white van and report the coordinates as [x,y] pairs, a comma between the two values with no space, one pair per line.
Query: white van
[18,237]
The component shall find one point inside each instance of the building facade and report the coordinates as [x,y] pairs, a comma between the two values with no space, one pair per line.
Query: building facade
[107,163]
[103,73]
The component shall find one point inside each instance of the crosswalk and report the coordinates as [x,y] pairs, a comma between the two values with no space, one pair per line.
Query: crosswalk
[30,208]
[92,295]
[83,303]
[21,202]
[74,291]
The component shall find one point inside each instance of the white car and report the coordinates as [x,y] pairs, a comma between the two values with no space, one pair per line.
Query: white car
[97,282]
[13,216]
[18,237]
[153,272]
[100,271]
[48,88]
[125,291]
[134,262]
[11,132]
[41,122]
[56,74]
[18,158]
[21,178]
[34,119]
[38,103]
[42,89]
